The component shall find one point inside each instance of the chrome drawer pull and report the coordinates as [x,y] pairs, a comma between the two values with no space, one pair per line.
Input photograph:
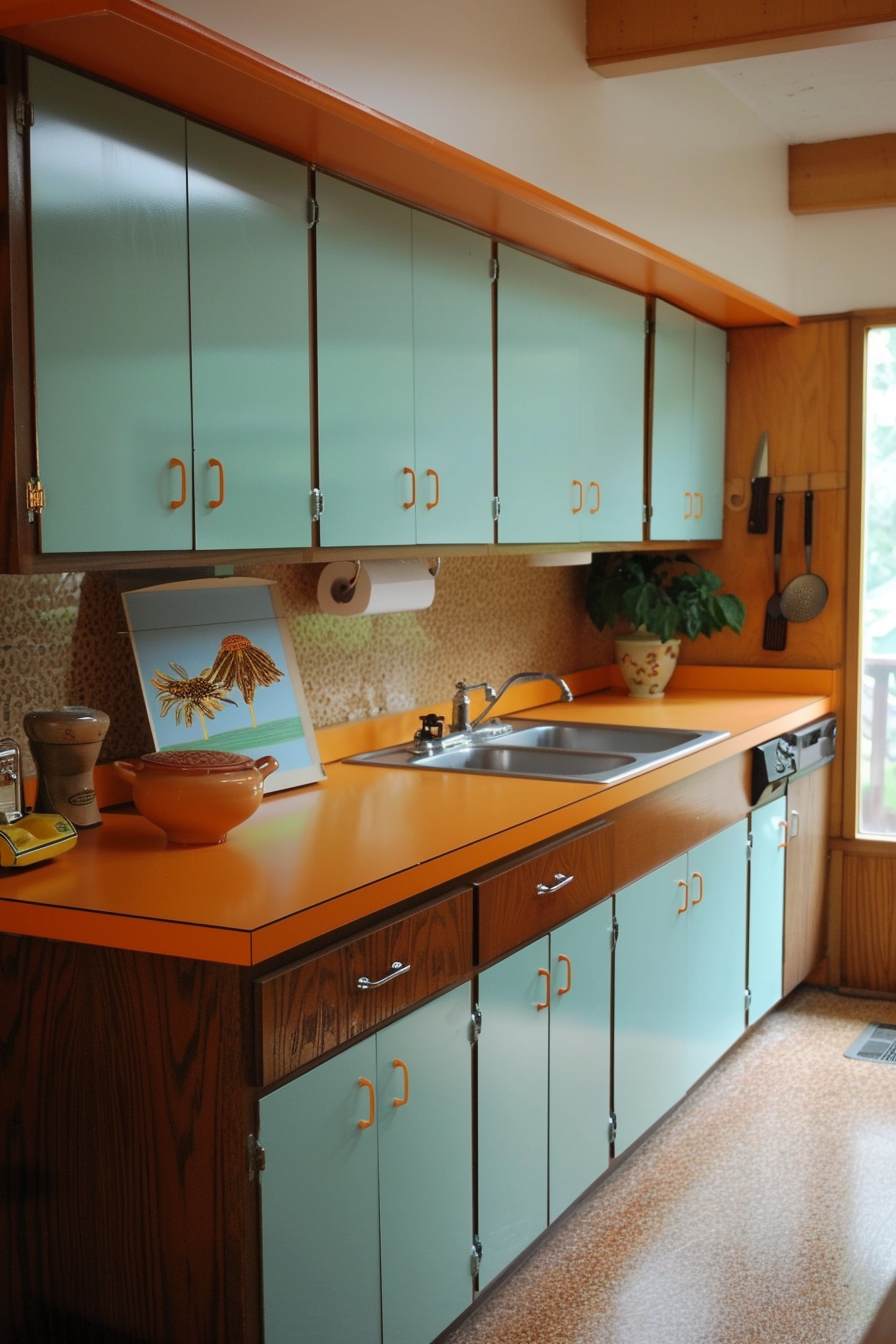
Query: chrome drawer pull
[397,968]
[560,880]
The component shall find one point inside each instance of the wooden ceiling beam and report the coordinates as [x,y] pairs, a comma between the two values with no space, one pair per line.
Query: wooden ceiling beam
[629,37]
[857,174]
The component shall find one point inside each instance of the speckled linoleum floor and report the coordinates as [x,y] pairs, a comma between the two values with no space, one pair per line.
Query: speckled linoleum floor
[762,1212]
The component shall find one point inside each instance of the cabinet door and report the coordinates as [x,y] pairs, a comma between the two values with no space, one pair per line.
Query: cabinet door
[579,1054]
[512,1073]
[540,438]
[768,826]
[365,367]
[688,427]
[717,946]
[424,1124]
[612,466]
[453,414]
[249,317]
[320,1220]
[708,448]
[651,1055]
[111,317]
[671,487]
[805,911]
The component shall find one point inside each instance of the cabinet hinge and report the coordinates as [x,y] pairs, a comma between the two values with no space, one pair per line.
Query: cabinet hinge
[647,512]
[255,1157]
[475,1023]
[495,270]
[313,212]
[614,934]
[35,499]
[24,113]
[649,327]
[317,505]
[611,1128]
[749,846]
[496,508]
[475,1256]
[748,998]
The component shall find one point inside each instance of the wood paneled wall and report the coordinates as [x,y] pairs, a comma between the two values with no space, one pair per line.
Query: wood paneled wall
[796,384]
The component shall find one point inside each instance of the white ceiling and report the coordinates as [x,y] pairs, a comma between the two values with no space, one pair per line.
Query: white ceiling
[832,93]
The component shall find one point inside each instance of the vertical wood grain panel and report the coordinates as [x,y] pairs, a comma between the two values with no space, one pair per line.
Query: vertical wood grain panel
[869,923]
[794,384]
[125,1134]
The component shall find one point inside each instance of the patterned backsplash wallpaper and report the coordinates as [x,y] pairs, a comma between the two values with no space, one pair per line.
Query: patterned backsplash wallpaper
[63,640]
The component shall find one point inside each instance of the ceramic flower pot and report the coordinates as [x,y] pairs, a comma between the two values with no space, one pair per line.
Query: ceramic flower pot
[646,663]
[196,797]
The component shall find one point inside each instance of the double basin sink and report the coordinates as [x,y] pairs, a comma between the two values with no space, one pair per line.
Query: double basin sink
[595,753]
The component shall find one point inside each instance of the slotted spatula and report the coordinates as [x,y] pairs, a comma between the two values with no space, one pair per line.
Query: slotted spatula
[775,634]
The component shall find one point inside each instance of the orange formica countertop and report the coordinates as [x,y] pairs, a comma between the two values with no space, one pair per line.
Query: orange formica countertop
[314,861]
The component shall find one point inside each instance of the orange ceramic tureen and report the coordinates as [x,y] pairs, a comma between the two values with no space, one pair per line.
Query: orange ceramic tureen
[196,797]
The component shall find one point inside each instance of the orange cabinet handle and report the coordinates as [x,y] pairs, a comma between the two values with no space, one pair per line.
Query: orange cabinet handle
[681,909]
[176,464]
[689,507]
[785,827]
[596,487]
[547,989]
[568,964]
[581,503]
[402,1101]
[699,498]
[215,465]
[434,503]
[365,1124]
[699,877]
[409,471]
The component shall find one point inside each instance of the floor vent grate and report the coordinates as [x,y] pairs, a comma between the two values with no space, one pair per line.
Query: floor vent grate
[877,1044]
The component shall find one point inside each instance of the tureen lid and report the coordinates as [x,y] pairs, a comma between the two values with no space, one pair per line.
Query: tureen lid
[198,762]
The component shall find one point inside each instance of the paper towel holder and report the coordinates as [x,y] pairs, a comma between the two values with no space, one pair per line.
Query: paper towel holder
[344,592]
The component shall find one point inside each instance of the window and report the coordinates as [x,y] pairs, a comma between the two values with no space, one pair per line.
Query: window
[877,654]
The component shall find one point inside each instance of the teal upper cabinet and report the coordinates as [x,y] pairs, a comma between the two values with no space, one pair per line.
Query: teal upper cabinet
[111,317]
[404,374]
[171,328]
[250,339]
[570,405]
[688,432]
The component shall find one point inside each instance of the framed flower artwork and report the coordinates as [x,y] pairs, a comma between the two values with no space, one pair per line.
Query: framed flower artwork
[218,671]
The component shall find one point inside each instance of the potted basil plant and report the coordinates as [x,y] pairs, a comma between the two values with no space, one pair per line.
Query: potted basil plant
[656,599]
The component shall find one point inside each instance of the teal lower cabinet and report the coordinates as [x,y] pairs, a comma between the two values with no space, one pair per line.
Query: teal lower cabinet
[768,827]
[367,1208]
[680,976]
[543,1083]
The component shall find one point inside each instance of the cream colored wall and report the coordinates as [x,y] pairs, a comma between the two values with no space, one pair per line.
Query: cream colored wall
[62,642]
[673,158]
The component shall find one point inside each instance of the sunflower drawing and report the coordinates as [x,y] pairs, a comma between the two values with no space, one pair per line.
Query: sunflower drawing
[240,663]
[187,695]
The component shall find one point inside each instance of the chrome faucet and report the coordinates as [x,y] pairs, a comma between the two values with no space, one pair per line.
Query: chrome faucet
[461,723]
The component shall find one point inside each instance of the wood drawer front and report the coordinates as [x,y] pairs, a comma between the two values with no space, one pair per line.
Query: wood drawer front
[512,907]
[306,1009]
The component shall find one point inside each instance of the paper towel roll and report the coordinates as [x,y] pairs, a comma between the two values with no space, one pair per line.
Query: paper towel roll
[381,586]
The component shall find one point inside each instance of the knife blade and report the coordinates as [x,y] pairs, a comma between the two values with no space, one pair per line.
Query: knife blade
[759,488]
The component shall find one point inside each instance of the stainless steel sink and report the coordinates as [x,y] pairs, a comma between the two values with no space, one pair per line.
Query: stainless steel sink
[597,753]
